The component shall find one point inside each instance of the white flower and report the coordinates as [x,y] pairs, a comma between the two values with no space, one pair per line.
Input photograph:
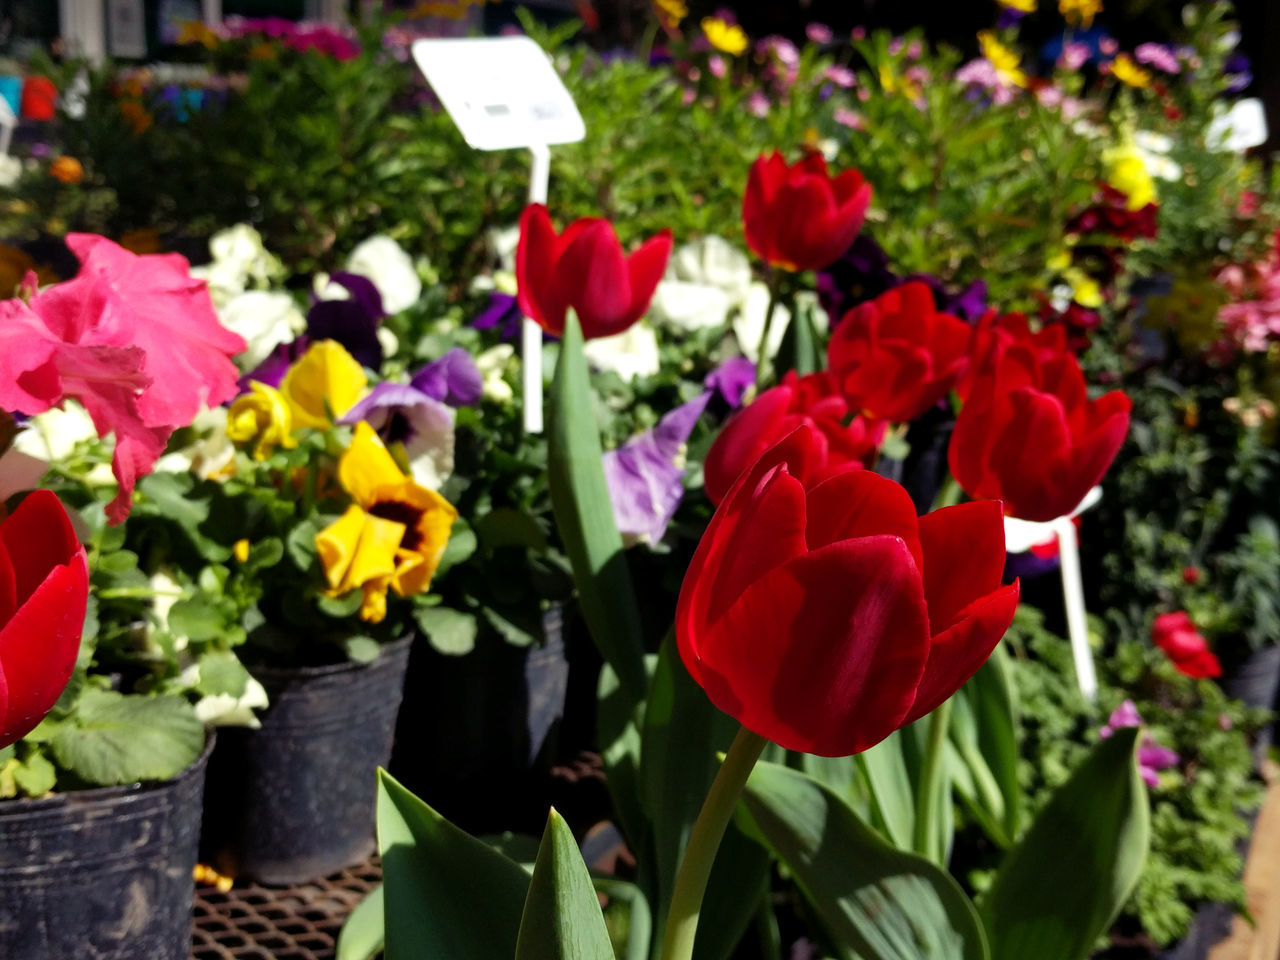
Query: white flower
[390,269]
[630,354]
[240,262]
[492,364]
[211,457]
[266,319]
[503,242]
[705,280]
[1237,129]
[1154,149]
[10,170]
[430,453]
[54,434]
[748,325]
[224,710]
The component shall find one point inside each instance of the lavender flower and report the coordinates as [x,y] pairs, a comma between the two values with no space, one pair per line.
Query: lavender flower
[732,379]
[423,425]
[453,379]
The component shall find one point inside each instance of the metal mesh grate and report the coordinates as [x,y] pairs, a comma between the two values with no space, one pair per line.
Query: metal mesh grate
[279,923]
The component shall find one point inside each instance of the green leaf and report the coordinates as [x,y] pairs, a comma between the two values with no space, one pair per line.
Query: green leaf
[300,544]
[505,527]
[196,618]
[447,894]
[450,631]
[265,553]
[222,672]
[893,798]
[364,933]
[584,517]
[361,649]
[340,608]
[984,733]
[562,919]
[1065,882]
[36,775]
[461,545]
[876,902]
[117,739]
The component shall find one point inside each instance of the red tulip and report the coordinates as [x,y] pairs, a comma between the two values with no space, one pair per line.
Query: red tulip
[800,217]
[778,411]
[896,356]
[1177,636]
[823,614]
[44,588]
[994,331]
[585,268]
[1030,436]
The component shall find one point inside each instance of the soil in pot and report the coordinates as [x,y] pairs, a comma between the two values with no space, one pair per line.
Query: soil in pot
[103,873]
[296,800]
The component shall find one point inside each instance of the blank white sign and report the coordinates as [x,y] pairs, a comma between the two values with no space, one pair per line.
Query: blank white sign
[502,92]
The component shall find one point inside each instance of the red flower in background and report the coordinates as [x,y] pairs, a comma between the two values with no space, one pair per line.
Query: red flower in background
[823,615]
[1177,636]
[799,217]
[134,339]
[896,356]
[585,268]
[778,411]
[1110,216]
[44,589]
[1029,435]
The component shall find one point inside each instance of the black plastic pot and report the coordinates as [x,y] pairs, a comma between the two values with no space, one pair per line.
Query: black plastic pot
[1256,681]
[296,800]
[102,873]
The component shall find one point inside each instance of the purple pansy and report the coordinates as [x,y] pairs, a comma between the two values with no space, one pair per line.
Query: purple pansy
[503,312]
[1152,757]
[453,379]
[645,476]
[352,322]
[732,379]
[271,371]
[423,425]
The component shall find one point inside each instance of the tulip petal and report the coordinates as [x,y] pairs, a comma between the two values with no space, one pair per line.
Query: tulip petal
[956,653]
[646,268]
[860,503]
[823,654]
[748,432]
[593,271]
[536,255]
[800,238]
[8,585]
[1028,454]
[39,536]
[963,558]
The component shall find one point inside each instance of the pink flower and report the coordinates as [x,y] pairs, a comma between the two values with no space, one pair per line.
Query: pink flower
[133,338]
[858,33]
[818,33]
[1152,758]
[1109,46]
[840,76]
[849,118]
[758,104]
[1158,56]
[1073,56]
[717,66]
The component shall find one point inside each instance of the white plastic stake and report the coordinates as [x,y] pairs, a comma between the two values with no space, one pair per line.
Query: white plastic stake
[1073,597]
[8,121]
[531,333]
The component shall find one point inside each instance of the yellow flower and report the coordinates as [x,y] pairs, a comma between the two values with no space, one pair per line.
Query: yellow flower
[1127,172]
[670,12]
[1126,71]
[261,417]
[1006,62]
[1084,289]
[1080,11]
[725,36]
[1022,6]
[193,31]
[67,169]
[392,536]
[891,83]
[241,550]
[323,385]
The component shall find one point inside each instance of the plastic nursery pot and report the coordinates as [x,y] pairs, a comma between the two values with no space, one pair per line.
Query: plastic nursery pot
[296,800]
[103,873]
[479,732]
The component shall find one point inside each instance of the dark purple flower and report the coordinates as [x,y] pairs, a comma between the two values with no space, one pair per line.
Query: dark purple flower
[1028,565]
[421,424]
[1009,18]
[453,379]
[732,379]
[502,311]
[645,475]
[1238,72]
[861,273]
[352,322]
[271,371]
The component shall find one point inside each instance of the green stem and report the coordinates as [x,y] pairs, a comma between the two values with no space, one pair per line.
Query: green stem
[762,358]
[928,793]
[949,493]
[704,841]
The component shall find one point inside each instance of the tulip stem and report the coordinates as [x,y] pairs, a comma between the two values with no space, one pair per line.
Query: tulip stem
[704,841]
[932,783]
[762,358]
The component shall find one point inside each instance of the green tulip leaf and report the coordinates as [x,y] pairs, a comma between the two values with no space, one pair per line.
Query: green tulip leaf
[875,901]
[364,933]
[584,517]
[446,893]
[984,728]
[1065,882]
[562,918]
[893,798]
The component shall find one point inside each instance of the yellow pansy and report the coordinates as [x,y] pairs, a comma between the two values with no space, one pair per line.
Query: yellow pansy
[392,536]
[1007,63]
[670,12]
[725,36]
[1084,289]
[323,385]
[1126,71]
[1127,172]
[1080,11]
[1022,6]
[261,417]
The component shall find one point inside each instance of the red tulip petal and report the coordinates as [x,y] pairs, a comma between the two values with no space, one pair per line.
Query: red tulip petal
[963,557]
[38,536]
[799,237]
[646,267]
[594,271]
[851,189]
[861,504]
[758,210]
[536,255]
[742,439]
[8,585]
[956,653]
[1026,455]
[39,645]
[823,654]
